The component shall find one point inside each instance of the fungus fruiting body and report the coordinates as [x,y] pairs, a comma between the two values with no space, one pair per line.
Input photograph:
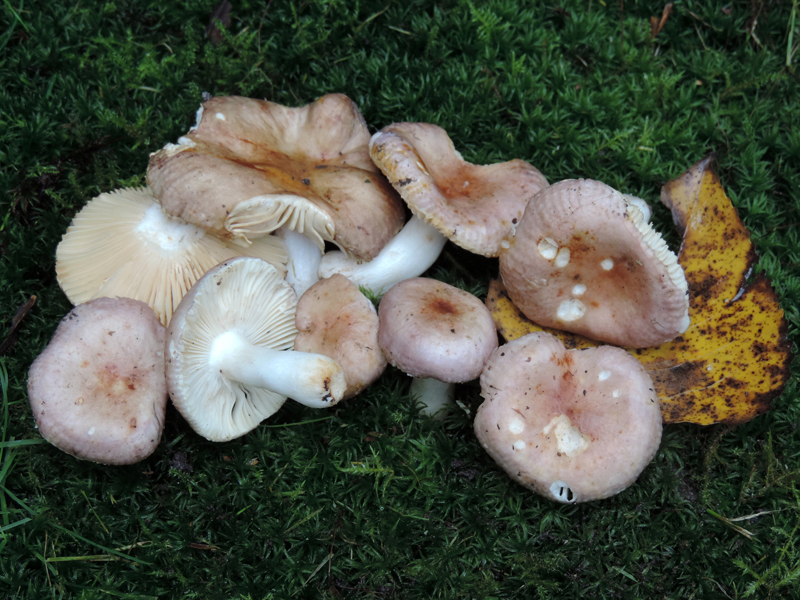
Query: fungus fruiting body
[429,329]
[228,346]
[98,390]
[265,166]
[335,319]
[122,244]
[570,425]
[473,205]
[585,260]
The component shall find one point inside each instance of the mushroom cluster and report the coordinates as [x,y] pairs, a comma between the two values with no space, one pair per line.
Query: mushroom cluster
[226,247]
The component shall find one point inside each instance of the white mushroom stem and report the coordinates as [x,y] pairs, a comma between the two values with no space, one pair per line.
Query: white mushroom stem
[434,397]
[304,258]
[310,379]
[410,253]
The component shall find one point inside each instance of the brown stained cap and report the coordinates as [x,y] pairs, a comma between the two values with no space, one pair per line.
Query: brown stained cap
[432,329]
[571,425]
[335,319]
[122,244]
[583,259]
[251,166]
[98,391]
[473,205]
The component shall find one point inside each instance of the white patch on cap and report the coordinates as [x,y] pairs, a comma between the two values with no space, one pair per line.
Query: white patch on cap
[548,248]
[516,426]
[570,310]
[466,183]
[505,244]
[562,258]
[519,445]
[604,375]
[578,289]
[616,393]
[562,492]
[185,141]
[220,116]
[91,431]
[569,439]
[607,264]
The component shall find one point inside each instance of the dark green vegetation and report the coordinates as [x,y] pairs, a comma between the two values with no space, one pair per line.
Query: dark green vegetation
[370,500]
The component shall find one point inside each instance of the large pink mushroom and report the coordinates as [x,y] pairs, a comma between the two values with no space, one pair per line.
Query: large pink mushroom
[571,425]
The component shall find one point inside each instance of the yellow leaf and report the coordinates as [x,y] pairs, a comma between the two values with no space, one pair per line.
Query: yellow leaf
[734,358]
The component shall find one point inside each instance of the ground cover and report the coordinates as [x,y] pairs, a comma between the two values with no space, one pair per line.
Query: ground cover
[372,500]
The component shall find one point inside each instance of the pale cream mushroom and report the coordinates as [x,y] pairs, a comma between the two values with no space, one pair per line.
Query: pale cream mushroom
[571,425]
[98,390]
[250,166]
[472,205]
[334,318]
[122,244]
[229,363]
[584,259]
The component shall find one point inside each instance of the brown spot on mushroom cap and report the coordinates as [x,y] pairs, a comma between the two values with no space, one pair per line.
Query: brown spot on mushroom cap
[268,164]
[432,329]
[98,397]
[473,205]
[334,318]
[591,432]
[635,291]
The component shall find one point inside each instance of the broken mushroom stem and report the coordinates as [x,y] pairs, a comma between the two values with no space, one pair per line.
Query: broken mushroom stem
[311,379]
[409,254]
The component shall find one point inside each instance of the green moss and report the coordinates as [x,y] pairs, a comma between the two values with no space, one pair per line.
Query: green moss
[377,501]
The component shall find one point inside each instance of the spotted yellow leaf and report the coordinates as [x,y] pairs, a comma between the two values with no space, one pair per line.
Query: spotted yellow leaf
[734,357]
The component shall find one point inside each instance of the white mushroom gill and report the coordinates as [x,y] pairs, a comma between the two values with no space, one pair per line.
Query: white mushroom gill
[409,254]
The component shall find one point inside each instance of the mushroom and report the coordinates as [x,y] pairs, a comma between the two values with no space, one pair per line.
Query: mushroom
[335,319]
[583,259]
[229,365]
[122,244]
[571,425]
[473,205]
[98,390]
[429,329]
[409,254]
[250,166]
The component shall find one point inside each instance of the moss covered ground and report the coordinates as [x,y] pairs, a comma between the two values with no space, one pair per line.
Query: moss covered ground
[370,499]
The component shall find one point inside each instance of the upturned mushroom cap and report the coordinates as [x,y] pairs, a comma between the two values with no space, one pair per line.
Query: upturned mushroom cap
[229,364]
[473,205]
[570,425]
[335,319]
[432,329]
[98,390]
[583,259]
[251,166]
[122,244]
